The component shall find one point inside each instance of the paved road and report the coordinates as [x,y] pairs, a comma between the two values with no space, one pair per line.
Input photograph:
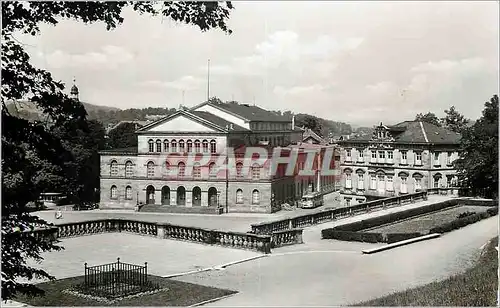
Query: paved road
[344,275]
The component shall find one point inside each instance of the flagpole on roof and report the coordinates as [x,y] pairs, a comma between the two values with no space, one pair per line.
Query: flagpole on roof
[208,81]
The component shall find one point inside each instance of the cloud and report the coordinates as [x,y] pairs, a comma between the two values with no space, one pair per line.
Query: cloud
[183,83]
[110,57]
[468,64]
[284,48]
[382,87]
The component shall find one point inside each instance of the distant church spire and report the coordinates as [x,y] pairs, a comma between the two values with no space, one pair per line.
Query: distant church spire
[74,90]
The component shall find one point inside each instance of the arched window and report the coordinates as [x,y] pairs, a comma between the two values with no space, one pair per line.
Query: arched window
[165,145]
[205,146]
[255,172]
[213,147]
[189,146]
[255,197]
[151,169]
[196,171]
[197,146]
[151,145]
[114,192]
[437,179]
[211,170]
[239,196]
[113,169]
[128,193]
[181,146]
[404,187]
[418,181]
[182,169]
[390,183]
[173,145]
[158,145]
[129,169]
[239,170]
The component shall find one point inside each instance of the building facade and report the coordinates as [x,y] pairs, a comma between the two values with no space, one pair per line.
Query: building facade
[177,162]
[405,158]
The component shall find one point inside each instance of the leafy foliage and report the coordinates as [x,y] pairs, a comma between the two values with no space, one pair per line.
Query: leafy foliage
[37,157]
[478,163]
[454,121]
[429,117]
[123,136]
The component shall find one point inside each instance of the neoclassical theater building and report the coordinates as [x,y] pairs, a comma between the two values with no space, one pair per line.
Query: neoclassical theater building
[174,167]
[405,158]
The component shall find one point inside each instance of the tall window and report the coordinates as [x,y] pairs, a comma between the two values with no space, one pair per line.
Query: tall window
[404,156]
[239,170]
[348,154]
[360,155]
[211,170]
[436,159]
[418,158]
[390,156]
[381,155]
[165,146]
[158,145]
[173,145]
[205,146]
[404,188]
[449,159]
[255,172]
[114,168]
[436,181]
[151,169]
[213,148]
[114,192]
[181,146]
[182,169]
[348,180]
[196,171]
[151,144]
[255,197]
[390,183]
[381,183]
[418,183]
[239,196]
[197,146]
[361,181]
[373,181]
[348,202]
[374,156]
[449,179]
[128,193]
[189,146]
[129,169]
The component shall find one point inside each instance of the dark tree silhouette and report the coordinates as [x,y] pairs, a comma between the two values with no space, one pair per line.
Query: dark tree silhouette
[123,136]
[429,117]
[34,158]
[454,121]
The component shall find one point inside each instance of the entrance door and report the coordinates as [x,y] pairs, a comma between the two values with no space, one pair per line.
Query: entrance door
[212,196]
[150,195]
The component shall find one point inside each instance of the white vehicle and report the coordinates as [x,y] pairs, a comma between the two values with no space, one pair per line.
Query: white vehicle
[311,201]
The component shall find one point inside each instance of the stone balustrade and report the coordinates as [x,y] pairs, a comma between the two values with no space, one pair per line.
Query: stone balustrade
[327,215]
[238,240]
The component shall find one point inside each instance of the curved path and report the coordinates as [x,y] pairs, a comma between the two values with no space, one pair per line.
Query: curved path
[344,275]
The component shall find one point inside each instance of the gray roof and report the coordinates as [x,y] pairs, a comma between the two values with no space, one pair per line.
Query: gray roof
[251,113]
[207,116]
[415,132]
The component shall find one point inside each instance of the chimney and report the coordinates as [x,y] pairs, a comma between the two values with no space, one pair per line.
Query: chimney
[293,122]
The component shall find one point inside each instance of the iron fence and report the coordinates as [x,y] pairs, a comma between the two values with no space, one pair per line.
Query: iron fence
[116,279]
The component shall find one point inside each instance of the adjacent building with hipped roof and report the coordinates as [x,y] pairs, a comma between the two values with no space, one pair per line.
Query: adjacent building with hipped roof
[404,158]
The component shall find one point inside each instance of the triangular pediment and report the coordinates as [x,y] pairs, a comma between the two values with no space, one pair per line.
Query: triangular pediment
[181,122]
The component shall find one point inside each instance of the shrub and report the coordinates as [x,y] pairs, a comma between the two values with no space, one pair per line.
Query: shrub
[465,214]
[397,237]
[461,222]
[493,211]
[332,233]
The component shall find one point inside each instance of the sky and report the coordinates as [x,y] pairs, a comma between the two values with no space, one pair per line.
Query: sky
[355,62]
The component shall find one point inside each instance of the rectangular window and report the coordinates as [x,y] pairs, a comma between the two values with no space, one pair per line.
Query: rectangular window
[213,148]
[390,155]
[418,183]
[348,181]
[418,158]
[404,156]
[404,188]
[436,159]
[128,193]
[449,159]
[436,182]
[373,182]
[360,155]
[390,183]
[381,156]
[361,182]
[381,183]
[348,154]
[374,156]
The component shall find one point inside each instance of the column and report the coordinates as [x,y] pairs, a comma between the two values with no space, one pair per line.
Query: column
[173,197]
[189,198]
[157,197]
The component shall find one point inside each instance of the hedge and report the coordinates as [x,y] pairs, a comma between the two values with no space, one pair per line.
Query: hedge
[397,237]
[352,236]
[462,222]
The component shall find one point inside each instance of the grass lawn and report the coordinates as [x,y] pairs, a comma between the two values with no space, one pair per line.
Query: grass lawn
[477,286]
[424,223]
[178,294]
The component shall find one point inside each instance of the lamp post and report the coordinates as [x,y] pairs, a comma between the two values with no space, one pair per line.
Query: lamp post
[137,202]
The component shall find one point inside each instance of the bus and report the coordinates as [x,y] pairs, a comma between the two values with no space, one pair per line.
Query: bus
[311,201]
[50,199]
